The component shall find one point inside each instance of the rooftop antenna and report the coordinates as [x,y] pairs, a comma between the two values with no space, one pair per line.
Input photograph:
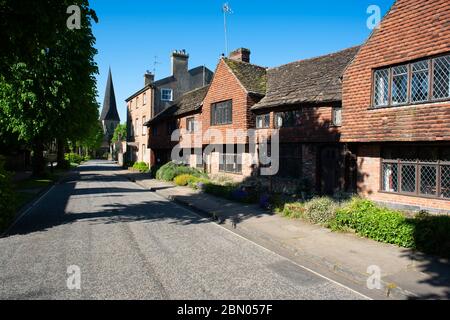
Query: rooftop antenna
[155,63]
[226,10]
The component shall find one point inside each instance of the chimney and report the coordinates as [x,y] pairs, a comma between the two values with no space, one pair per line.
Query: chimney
[149,78]
[179,62]
[241,54]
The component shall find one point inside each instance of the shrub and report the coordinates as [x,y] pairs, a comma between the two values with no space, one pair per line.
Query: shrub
[375,222]
[198,183]
[183,180]
[87,158]
[141,167]
[224,191]
[432,234]
[7,198]
[294,210]
[73,158]
[170,170]
[320,210]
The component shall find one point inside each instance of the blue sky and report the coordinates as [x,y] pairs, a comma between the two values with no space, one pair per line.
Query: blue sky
[131,33]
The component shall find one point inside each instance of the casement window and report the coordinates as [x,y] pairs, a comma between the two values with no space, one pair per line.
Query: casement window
[288,119]
[191,125]
[144,128]
[230,163]
[222,113]
[263,121]
[144,98]
[337,116]
[423,81]
[290,160]
[166,94]
[416,170]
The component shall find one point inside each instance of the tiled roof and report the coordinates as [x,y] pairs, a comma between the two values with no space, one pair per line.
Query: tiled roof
[313,80]
[251,76]
[188,102]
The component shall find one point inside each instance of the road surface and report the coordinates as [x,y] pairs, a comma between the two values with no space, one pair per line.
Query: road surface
[99,236]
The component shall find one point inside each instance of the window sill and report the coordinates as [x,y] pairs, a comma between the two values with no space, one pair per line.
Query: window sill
[413,195]
[446,101]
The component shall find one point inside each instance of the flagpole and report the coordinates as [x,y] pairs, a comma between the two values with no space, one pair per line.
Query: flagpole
[225,28]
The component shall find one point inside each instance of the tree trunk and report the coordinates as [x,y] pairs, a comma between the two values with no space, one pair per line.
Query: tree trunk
[61,162]
[38,159]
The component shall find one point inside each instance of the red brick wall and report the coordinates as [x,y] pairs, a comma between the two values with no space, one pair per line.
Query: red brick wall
[225,86]
[188,140]
[369,182]
[413,29]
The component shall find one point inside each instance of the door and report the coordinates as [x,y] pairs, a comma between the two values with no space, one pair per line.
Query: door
[329,170]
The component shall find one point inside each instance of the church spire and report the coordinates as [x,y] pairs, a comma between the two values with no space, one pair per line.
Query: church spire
[109,111]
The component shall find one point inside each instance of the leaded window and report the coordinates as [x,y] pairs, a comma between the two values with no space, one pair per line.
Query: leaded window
[222,113]
[422,81]
[416,170]
[263,121]
[287,119]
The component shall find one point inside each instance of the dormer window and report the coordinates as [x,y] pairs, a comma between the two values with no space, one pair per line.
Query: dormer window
[166,94]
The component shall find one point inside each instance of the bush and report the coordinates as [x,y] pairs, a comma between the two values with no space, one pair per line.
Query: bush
[375,222]
[432,234]
[183,180]
[7,198]
[141,167]
[320,210]
[170,170]
[198,183]
[293,210]
[87,158]
[73,158]
[224,191]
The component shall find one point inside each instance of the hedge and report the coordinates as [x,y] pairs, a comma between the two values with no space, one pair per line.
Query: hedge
[141,167]
[169,171]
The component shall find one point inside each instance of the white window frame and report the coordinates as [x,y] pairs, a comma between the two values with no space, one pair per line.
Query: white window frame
[163,90]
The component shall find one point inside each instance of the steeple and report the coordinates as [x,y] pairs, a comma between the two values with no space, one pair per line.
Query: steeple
[109,111]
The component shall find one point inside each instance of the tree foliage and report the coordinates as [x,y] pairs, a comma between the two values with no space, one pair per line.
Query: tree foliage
[120,133]
[47,73]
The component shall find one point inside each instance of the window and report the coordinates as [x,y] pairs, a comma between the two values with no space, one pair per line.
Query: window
[166,94]
[419,81]
[263,121]
[191,125]
[399,85]
[144,98]
[221,113]
[381,83]
[416,170]
[144,128]
[137,127]
[288,119]
[337,116]
[230,163]
[144,152]
[441,78]
[137,102]
[422,81]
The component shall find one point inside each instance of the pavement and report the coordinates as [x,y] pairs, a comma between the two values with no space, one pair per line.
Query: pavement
[344,257]
[98,235]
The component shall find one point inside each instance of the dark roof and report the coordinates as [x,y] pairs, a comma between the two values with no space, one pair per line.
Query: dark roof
[252,77]
[315,80]
[109,111]
[188,102]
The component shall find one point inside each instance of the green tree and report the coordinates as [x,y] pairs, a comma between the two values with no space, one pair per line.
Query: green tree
[47,83]
[120,133]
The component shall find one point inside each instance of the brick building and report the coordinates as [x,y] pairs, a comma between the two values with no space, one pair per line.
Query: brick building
[303,101]
[396,115]
[155,97]
[236,86]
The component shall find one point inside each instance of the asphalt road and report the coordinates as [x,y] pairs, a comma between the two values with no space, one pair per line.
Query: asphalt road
[129,243]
